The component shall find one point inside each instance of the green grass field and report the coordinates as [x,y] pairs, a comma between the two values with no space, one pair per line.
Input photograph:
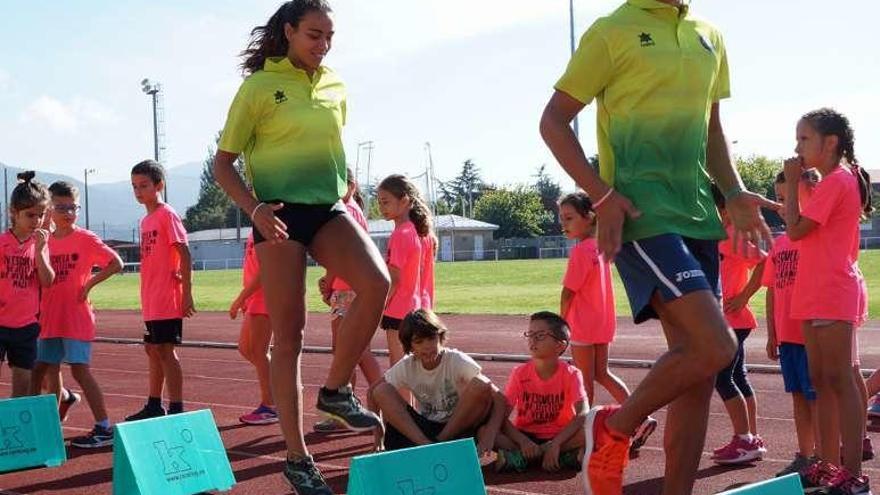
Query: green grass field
[487,287]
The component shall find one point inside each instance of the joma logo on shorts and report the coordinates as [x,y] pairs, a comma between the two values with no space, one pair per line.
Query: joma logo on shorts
[681,276]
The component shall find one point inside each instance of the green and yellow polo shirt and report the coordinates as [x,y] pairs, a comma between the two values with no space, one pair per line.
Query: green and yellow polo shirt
[655,72]
[289,128]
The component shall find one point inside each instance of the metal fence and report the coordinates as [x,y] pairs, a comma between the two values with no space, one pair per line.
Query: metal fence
[503,253]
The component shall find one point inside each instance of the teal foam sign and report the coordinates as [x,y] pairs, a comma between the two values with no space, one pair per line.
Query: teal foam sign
[449,468]
[30,433]
[785,485]
[178,454]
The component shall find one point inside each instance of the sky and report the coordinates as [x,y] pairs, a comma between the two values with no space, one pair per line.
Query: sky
[469,76]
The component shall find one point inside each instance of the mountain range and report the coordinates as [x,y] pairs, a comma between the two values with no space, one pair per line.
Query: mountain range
[113,211]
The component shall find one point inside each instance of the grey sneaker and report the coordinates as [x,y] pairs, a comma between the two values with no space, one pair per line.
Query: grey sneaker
[799,464]
[97,438]
[304,477]
[345,407]
[329,425]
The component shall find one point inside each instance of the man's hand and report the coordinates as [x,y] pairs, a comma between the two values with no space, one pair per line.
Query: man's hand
[750,229]
[610,216]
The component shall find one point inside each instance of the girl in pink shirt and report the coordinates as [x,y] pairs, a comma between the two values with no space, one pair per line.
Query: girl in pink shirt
[741,272]
[588,298]
[24,269]
[255,335]
[338,294]
[67,319]
[587,304]
[826,294]
[401,202]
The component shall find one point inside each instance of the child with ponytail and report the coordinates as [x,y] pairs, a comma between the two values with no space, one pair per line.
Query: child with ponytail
[401,202]
[828,300]
[24,270]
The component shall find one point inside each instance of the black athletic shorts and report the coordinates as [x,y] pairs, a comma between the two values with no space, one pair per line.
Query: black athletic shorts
[303,221]
[19,345]
[389,323]
[163,331]
[395,440]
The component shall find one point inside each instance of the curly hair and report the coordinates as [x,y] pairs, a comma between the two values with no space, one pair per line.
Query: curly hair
[830,122]
[419,214]
[269,40]
[28,193]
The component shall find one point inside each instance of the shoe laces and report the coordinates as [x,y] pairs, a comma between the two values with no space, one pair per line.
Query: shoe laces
[611,458]
[822,473]
[846,481]
[309,470]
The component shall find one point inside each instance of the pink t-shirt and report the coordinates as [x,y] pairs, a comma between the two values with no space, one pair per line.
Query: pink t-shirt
[426,272]
[591,315]
[544,408]
[256,304]
[161,288]
[357,214]
[62,314]
[735,271]
[19,285]
[829,287]
[404,254]
[780,271]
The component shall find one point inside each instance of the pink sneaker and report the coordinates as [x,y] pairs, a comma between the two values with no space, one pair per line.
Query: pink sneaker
[844,483]
[262,415]
[818,476]
[739,451]
[761,444]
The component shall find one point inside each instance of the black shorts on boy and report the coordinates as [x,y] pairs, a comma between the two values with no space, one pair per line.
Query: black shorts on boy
[19,345]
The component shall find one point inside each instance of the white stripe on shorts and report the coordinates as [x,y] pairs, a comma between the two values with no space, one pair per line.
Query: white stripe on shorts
[668,283]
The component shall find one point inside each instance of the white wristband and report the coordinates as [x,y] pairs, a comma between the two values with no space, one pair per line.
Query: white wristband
[254,211]
[603,198]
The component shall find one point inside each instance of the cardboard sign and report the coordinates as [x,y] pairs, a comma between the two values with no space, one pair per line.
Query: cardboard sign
[178,454]
[448,468]
[785,485]
[30,433]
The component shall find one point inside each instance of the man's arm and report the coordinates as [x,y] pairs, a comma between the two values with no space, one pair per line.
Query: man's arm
[743,207]
[611,208]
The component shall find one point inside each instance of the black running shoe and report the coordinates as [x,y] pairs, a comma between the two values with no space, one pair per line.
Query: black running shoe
[146,413]
[97,438]
[345,407]
[304,477]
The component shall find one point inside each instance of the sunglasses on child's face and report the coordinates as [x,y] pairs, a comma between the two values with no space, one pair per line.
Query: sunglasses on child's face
[537,336]
[66,208]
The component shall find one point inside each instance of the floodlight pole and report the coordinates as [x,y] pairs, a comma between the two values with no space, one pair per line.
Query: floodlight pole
[86,173]
[153,88]
[571,48]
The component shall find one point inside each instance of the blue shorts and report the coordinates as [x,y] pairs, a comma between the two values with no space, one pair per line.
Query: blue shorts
[71,351]
[669,264]
[796,370]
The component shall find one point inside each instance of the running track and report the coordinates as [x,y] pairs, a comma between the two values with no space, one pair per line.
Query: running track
[219,379]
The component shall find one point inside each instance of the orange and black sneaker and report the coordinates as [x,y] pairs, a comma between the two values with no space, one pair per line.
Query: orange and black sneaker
[606,454]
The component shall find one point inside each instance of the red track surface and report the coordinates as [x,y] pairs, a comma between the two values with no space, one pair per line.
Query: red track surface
[220,380]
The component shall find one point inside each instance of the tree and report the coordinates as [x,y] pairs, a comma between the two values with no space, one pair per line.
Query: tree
[213,209]
[549,191]
[517,212]
[462,193]
[758,174]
